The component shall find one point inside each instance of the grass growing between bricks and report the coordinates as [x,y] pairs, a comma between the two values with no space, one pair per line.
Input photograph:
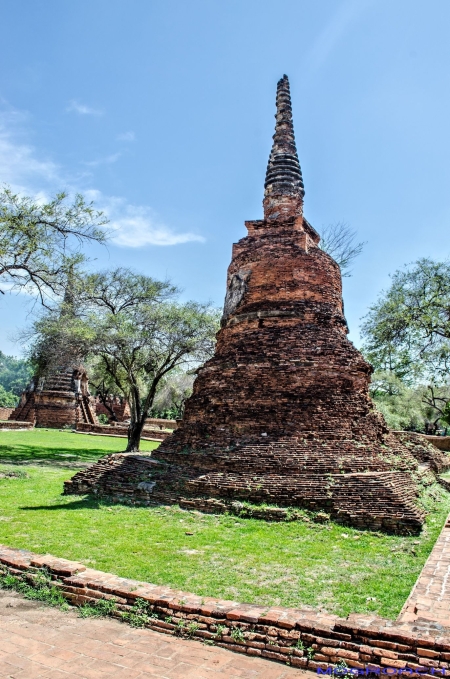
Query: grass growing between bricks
[336,568]
[40,589]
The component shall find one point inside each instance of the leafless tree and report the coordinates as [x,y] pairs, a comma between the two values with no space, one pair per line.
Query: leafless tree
[339,241]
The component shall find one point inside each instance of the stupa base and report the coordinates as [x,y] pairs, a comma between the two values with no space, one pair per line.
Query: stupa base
[374,500]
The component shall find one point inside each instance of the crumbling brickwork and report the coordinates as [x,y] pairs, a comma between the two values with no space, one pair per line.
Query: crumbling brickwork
[118,405]
[281,414]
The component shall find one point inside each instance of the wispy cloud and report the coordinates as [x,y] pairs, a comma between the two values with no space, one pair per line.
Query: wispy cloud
[334,30]
[126,136]
[83,110]
[108,160]
[21,167]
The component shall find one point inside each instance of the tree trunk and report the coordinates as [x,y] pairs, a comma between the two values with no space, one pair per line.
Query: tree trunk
[134,436]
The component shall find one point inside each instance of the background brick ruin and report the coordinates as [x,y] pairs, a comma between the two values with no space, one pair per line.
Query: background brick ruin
[60,400]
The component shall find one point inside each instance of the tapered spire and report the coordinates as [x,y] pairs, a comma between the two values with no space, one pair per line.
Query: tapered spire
[284,190]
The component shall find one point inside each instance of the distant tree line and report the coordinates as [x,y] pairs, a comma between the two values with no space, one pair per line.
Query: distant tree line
[15,373]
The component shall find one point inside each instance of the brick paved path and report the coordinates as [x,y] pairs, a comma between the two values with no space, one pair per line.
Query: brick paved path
[37,641]
[430,597]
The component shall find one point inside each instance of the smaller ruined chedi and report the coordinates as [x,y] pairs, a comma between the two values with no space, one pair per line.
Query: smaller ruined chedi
[61,399]
[281,414]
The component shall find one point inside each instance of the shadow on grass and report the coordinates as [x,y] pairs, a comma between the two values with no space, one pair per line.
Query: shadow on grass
[26,454]
[84,503]
[88,502]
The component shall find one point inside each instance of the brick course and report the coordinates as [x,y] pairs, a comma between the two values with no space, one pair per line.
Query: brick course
[5,413]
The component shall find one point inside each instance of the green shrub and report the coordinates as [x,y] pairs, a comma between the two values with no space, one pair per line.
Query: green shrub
[41,588]
[97,609]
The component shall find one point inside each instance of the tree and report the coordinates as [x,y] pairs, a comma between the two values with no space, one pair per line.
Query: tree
[104,386]
[409,325]
[15,373]
[338,241]
[438,401]
[140,334]
[407,335]
[7,398]
[172,394]
[40,242]
[59,338]
[402,406]
[132,332]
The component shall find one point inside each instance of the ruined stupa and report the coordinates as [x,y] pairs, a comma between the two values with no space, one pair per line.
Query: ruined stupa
[59,400]
[281,414]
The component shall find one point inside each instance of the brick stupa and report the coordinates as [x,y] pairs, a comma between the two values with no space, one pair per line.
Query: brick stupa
[60,400]
[281,414]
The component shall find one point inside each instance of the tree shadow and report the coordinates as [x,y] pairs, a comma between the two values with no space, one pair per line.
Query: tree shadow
[83,503]
[27,454]
[88,502]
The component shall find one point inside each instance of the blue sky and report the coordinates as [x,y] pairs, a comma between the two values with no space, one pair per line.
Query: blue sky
[162,111]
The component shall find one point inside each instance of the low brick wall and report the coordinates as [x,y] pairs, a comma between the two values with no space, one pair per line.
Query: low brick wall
[160,423]
[120,430]
[301,638]
[12,424]
[441,442]
[5,413]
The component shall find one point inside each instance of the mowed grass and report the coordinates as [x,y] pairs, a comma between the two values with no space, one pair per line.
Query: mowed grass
[52,446]
[337,569]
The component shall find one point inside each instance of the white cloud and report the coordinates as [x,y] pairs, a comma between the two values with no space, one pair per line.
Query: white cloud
[113,158]
[126,136]
[21,167]
[135,226]
[83,110]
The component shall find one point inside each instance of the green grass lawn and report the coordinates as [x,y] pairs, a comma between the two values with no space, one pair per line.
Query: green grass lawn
[50,446]
[338,569]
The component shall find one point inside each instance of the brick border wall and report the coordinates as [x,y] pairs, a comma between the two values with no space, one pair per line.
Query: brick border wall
[121,431]
[12,424]
[364,642]
[5,413]
[441,442]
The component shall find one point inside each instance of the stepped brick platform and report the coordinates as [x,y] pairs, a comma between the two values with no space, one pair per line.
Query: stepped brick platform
[60,400]
[301,638]
[281,414]
[5,413]
[12,424]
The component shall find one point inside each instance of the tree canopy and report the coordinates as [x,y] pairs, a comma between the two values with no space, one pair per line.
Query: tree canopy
[15,373]
[40,242]
[133,332]
[408,329]
[407,339]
